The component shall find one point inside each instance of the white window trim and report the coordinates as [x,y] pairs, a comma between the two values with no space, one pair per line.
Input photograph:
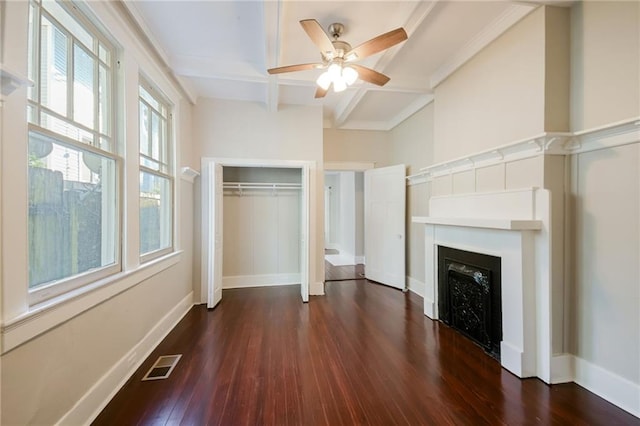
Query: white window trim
[42,317]
[166,163]
[58,288]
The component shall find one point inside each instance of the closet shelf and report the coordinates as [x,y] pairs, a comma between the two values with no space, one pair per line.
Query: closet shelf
[260,185]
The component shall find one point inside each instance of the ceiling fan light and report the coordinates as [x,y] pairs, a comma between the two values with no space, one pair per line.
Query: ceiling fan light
[334,71]
[324,80]
[349,75]
[339,85]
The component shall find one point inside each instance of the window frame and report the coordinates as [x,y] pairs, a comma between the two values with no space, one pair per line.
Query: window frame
[165,165]
[35,109]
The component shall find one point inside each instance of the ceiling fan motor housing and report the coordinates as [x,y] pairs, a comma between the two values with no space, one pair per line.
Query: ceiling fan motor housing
[342,47]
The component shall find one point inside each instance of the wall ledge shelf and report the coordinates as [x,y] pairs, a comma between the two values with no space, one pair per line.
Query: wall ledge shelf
[503,224]
[11,80]
[548,143]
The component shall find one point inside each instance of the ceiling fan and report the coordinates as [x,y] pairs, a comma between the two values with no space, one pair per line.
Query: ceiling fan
[338,57]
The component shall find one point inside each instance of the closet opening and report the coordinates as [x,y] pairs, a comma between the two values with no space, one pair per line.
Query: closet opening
[261,226]
[255,225]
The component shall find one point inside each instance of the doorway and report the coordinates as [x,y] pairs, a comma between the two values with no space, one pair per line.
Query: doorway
[344,225]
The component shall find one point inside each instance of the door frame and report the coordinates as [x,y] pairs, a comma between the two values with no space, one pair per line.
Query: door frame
[208,192]
[345,166]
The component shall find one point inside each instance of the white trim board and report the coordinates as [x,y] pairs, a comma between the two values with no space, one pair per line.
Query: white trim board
[87,408]
[555,143]
[266,280]
[50,314]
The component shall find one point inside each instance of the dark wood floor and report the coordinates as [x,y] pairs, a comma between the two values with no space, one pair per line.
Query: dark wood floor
[362,354]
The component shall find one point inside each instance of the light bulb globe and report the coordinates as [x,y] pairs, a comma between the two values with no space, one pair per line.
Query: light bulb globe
[350,75]
[334,71]
[324,81]
[339,84]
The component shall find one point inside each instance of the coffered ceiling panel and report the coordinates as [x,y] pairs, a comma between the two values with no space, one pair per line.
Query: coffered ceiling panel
[222,49]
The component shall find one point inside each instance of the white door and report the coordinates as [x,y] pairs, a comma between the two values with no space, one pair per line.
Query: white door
[304,235]
[384,225]
[212,234]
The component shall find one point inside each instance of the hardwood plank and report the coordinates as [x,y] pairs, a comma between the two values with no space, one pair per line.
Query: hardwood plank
[362,354]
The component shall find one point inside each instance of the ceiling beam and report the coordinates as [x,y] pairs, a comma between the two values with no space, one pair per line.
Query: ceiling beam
[416,18]
[273,29]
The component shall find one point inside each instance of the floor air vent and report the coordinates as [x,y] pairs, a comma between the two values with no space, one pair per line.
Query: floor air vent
[162,367]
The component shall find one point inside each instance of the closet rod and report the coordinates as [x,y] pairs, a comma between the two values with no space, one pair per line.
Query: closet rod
[260,185]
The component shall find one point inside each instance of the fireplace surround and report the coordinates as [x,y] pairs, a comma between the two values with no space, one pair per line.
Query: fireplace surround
[513,225]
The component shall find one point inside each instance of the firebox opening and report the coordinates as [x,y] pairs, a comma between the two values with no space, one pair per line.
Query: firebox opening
[469,296]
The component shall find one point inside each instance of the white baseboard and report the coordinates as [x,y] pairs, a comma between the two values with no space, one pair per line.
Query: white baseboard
[244,281]
[615,389]
[430,308]
[562,368]
[415,286]
[93,402]
[511,358]
[359,260]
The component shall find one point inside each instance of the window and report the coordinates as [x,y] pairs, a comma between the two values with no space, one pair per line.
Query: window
[156,180]
[73,167]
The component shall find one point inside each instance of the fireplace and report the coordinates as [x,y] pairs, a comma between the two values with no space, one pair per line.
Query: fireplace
[514,226]
[469,296]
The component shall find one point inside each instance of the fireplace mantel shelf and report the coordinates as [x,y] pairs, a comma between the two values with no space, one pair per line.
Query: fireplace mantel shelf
[505,224]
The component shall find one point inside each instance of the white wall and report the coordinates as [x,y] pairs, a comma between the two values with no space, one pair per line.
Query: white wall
[357,145]
[495,98]
[607,229]
[605,70]
[346,210]
[359,181]
[348,214]
[261,230]
[74,365]
[245,130]
[332,209]
[605,185]
[412,145]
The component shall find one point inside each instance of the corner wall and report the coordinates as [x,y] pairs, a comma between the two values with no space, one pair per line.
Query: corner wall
[412,144]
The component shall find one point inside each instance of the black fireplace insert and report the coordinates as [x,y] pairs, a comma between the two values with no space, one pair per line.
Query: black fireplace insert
[469,296]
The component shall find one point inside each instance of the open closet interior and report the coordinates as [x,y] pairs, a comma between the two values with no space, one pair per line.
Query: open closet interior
[261,226]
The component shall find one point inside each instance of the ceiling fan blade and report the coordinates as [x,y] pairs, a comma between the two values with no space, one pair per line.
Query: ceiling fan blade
[367,74]
[291,68]
[377,44]
[318,36]
[320,92]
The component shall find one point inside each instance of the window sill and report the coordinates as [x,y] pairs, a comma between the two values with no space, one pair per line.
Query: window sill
[51,313]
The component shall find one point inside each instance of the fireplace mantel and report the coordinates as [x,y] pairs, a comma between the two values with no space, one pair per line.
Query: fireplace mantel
[514,225]
[504,224]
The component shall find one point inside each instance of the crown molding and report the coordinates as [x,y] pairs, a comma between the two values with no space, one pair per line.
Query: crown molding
[509,18]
